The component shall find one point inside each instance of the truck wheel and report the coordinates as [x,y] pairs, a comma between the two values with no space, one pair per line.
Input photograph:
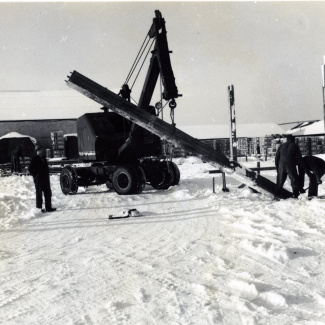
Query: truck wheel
[165,178]
[125,180]
[68,180]
[109,185]
[177,174]
[141,180]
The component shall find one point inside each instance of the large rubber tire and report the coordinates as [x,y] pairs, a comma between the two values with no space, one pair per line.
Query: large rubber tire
[141,180]
[165,178]
[109,185]
[177,174]
[125,180]
[68,180]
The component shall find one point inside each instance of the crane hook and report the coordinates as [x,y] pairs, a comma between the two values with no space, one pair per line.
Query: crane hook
[172,104]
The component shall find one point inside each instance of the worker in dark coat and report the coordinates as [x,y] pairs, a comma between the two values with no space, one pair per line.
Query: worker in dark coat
[317,167]
[15,156]
[287,158]
[39,169]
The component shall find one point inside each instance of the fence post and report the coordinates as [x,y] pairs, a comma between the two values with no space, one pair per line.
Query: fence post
[258,166]
[224,185]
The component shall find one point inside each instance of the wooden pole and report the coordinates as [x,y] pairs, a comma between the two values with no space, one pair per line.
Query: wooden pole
[233,135]
[323,81]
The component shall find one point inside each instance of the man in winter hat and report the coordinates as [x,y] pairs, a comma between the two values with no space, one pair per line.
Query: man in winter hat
[39,169]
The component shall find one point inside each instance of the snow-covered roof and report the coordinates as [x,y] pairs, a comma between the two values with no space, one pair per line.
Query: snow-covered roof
[223,130]
[17,135]
[308,129]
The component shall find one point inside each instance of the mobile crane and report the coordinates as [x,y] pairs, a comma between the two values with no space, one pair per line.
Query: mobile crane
[118,152]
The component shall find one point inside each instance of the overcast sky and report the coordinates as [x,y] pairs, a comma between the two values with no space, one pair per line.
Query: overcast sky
[271,52]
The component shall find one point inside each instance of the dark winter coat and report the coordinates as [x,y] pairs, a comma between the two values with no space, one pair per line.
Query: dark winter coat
[39,169]
[287,158]
[315,165]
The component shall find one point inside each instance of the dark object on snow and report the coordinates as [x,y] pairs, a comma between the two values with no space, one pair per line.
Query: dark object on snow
[126,214]
[317,167]
[39,169]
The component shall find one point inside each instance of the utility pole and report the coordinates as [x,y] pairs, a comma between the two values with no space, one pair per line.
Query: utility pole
[233,136]
[323,81]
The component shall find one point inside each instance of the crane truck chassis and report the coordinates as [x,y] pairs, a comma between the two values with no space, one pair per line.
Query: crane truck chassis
[123,178]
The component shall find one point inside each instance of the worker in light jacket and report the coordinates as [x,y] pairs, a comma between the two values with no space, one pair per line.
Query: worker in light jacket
[39,169]
[287,158]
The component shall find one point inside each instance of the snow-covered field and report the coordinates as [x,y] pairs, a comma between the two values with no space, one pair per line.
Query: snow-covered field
[194,257]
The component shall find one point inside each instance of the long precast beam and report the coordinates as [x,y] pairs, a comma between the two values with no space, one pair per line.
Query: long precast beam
[162,129]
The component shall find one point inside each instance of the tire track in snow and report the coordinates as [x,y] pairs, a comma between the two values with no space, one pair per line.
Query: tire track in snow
[158,270]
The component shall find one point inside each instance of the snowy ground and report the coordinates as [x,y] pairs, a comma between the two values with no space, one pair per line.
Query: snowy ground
[194,257]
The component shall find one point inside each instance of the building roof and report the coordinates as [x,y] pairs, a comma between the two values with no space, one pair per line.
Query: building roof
[250,130]
[308,128]
[11,135]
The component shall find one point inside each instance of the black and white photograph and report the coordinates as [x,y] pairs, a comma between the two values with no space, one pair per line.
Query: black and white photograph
[162,162]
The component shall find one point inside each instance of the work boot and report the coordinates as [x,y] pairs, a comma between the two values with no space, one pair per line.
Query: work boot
[295,196]
[51,210]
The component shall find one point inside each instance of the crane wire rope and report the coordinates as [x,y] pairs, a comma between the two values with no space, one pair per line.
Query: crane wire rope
[153,40]
[137,59]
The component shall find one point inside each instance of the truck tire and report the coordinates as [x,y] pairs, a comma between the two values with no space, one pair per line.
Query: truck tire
[177,174]
[141,180]
[109,185]
[68,180]
[165,178]
[125,180]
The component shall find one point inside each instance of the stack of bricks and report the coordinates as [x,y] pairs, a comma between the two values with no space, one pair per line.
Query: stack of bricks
[57,144]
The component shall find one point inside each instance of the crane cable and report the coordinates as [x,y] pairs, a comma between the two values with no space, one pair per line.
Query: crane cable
[153,40]
[136,61]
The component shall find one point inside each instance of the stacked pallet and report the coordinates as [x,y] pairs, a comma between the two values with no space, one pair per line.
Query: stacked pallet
[26,160]
[57,144]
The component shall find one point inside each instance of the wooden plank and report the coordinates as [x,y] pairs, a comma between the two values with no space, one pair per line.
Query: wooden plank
[269,186]
[262,168]
[162,129]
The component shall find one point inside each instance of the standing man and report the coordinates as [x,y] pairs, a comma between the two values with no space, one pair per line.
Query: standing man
[39,169]
[287,158]
[16,154]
